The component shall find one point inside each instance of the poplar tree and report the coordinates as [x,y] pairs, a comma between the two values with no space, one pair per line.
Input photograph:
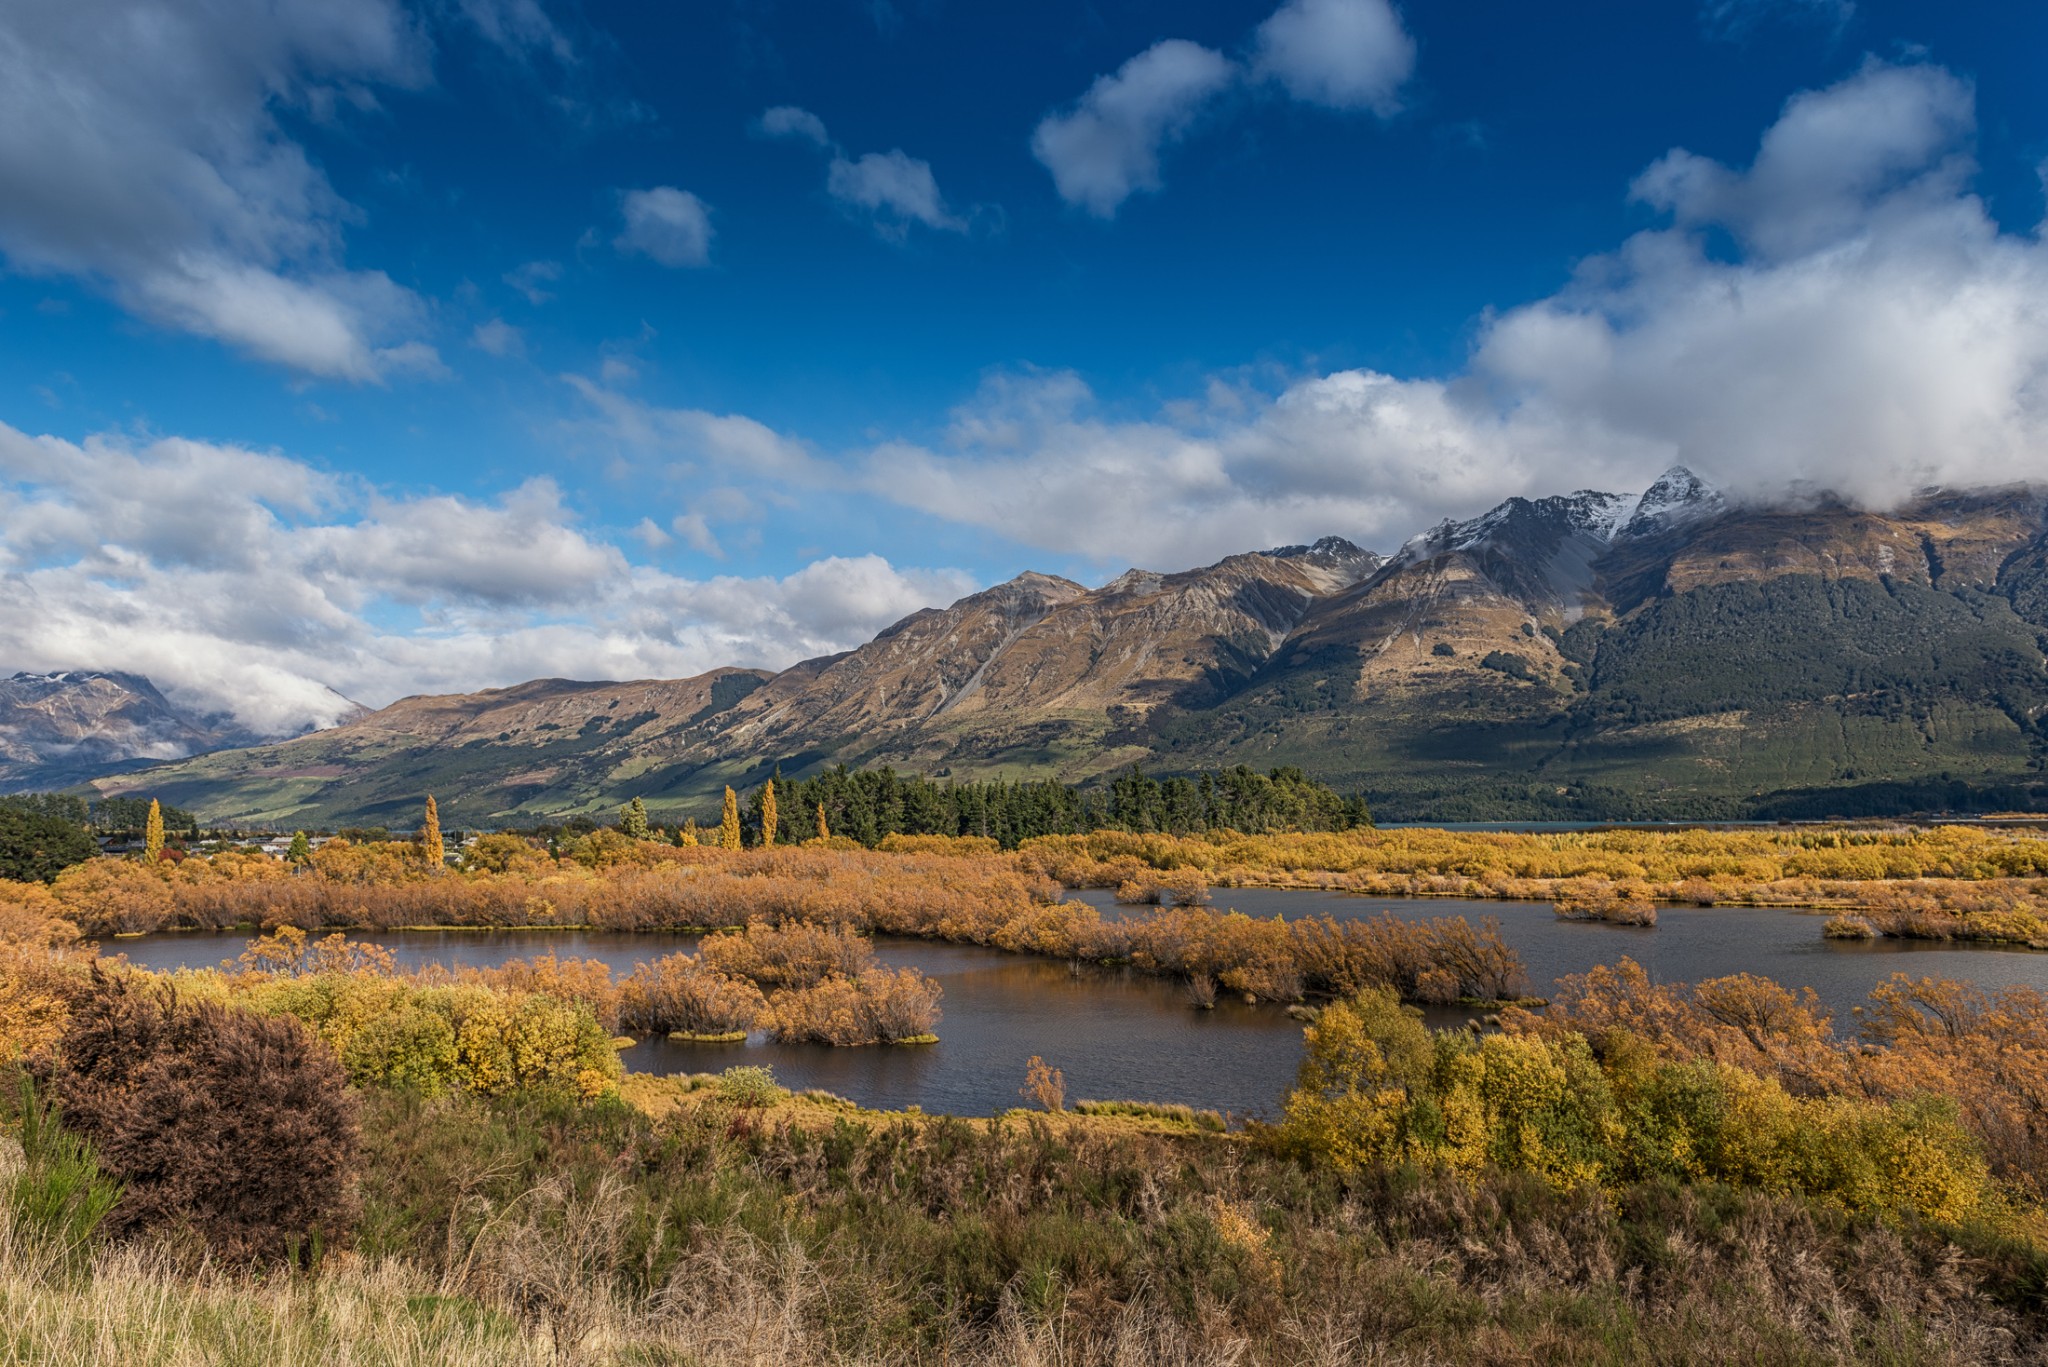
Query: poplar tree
[633,820]
[769,819]
[729,825]
[153,832]
[301,850]
[823,833]
[430,837]
[687,836]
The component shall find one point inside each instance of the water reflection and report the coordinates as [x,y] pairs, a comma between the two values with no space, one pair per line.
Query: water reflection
[1117,1034]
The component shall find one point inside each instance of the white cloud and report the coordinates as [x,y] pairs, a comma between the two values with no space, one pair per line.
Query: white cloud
[893,189]
[1892,139]
[1106,148]
[1876,332]
[898,189]
[249,582]
[788,121]
[497,337]
[669,225]
[697,439]
[140,151]
[1346,54]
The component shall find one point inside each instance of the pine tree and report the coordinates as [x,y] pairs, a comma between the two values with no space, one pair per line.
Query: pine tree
[687,836]
[430,837]
[769,819]
[153,832]
[823,833]
[301,851]
[633,820]
[729,825]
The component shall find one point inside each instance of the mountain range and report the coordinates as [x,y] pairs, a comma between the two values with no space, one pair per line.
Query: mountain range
[66,728]
[1666,654]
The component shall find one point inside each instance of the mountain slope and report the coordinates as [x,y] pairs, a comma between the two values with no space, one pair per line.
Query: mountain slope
[1699,662]
[1666,653]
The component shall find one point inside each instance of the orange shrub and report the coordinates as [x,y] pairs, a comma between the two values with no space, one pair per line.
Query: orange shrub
[881,1006]
[680,994]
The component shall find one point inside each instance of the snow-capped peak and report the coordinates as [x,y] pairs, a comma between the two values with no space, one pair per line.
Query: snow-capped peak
[1677,497]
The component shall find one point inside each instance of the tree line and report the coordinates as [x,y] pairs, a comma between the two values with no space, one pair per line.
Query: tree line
[869,805]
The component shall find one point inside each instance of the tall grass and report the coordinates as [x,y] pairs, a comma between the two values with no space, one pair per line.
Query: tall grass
[521,1231]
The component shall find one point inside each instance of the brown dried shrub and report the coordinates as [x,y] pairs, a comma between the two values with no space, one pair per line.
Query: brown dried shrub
[232,1125]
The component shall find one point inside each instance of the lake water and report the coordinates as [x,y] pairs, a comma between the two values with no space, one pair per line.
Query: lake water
[1125,1036]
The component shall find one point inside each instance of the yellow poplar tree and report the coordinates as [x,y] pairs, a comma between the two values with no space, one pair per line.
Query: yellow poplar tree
[153,832]
[823,833]
[430,836]
[689,835]
[769,819]
[729,826]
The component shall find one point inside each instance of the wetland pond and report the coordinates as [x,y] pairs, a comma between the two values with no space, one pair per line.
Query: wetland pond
[1123,1036]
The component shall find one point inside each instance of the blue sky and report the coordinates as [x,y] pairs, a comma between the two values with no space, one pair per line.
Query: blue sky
[506,337]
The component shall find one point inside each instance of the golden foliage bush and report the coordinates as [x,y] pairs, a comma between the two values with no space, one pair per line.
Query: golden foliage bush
[799,955]
[1984,1051]
[880,1006]
[681,994]
[1378,1089]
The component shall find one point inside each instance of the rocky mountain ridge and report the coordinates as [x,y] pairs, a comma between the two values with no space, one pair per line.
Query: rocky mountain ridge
[62,728]
[1663,653]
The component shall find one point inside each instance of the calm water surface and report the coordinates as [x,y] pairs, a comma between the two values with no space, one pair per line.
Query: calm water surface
[1125,1036]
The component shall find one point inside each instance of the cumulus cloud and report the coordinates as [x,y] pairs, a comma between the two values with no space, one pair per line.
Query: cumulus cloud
[1874,332]
[666,224]
[897,189]
[1346,54]
[1893,140]
[1106,148]
[249,582]
[140,151]
[891,189]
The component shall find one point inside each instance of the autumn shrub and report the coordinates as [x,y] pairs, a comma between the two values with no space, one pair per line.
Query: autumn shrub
[1044,1085]
[534,1043]
[1616,904]
[881,1006]
[587,981]
[800,955]
[681,994]
[114,897]
[1377,1088]
[230,1124]
[438,1032]
[35,986]
[32,917]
